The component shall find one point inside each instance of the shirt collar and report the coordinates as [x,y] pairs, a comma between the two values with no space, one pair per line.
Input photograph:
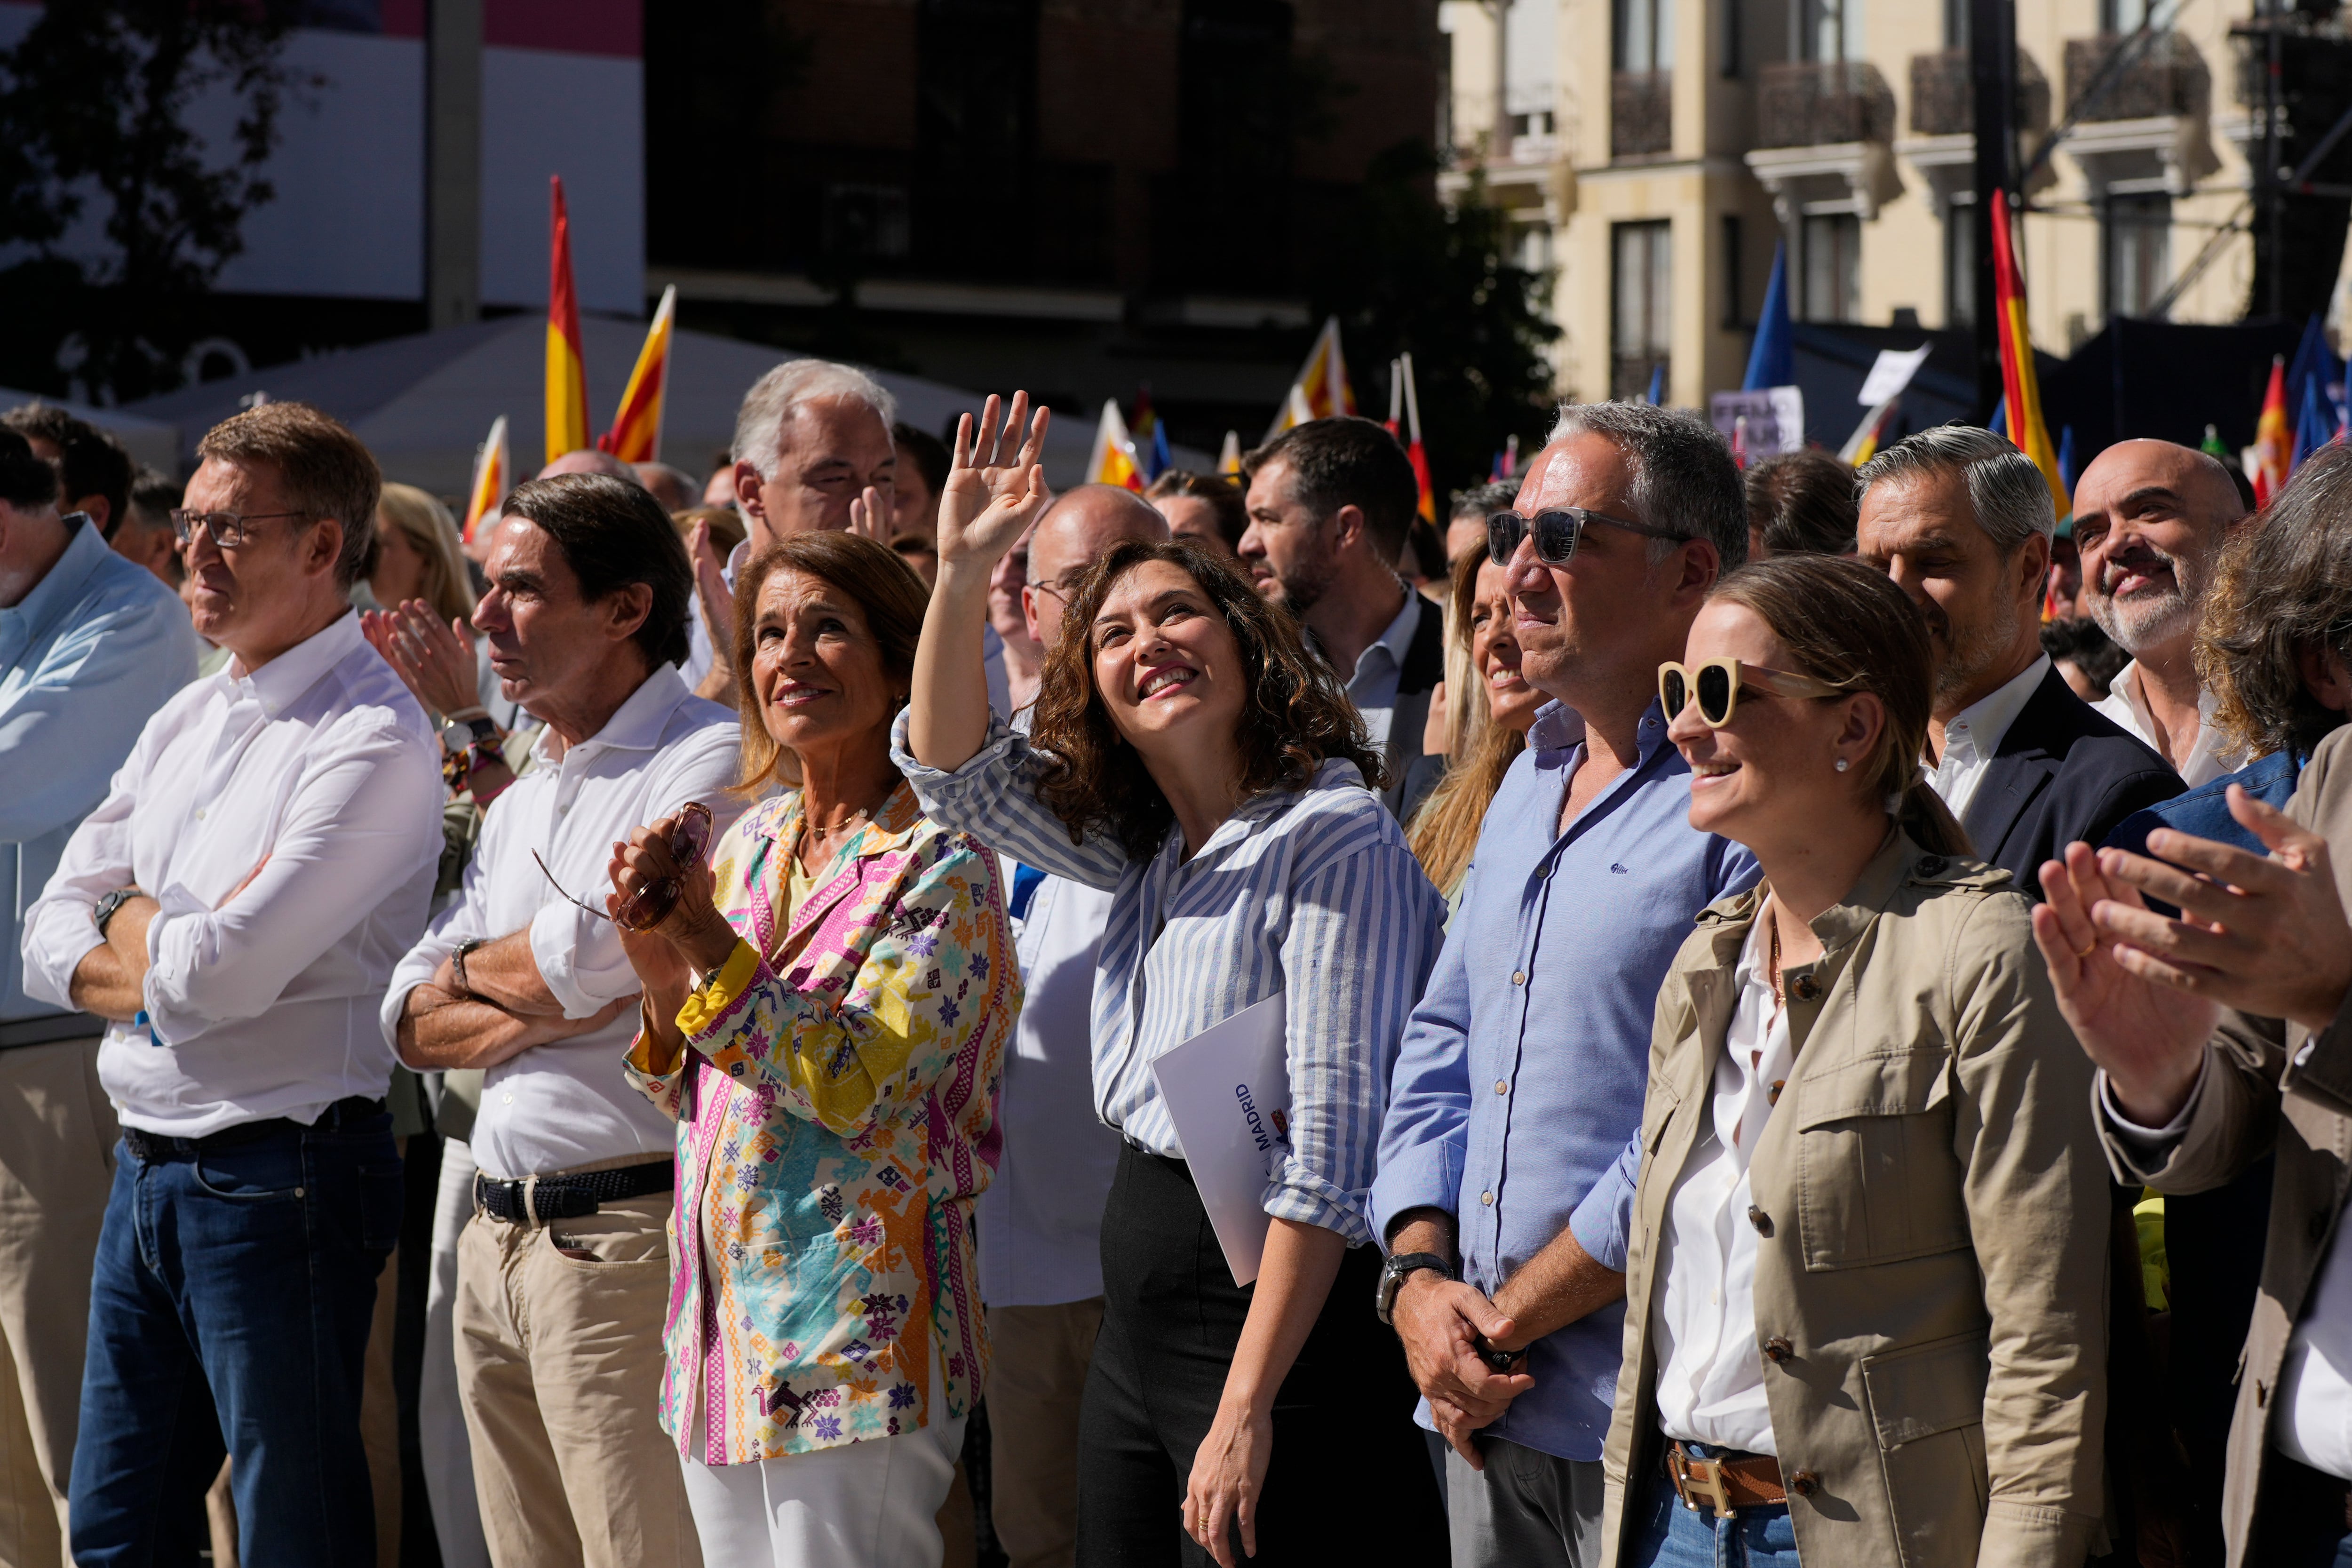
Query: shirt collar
[2126,685]
[1979,727]
[55,591]
[279,684]
[1559,728]
[1398,638]
[636,725]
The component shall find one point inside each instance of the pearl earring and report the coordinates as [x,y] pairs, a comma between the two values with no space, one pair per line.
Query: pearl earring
[1840,764]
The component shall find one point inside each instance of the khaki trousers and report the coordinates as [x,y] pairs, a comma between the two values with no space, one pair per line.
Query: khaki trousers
[559,1342]
[56,1166]
[1037,1370]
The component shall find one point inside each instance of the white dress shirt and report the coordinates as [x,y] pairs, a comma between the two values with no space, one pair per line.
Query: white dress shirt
[2311,1410]
[561,1106]
[1710,1377]
[1974,734]
[1041,1218]
[1381,668]
[317,777]
[2127,706]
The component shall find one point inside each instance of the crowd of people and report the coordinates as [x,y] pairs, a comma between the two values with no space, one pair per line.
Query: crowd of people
[768,902]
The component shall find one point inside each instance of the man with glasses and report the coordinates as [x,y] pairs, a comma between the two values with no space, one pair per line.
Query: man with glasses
[1331,503]
[232,908]
[1962,521]
[562,1273]
[1522,1073]
[1041,1218]
[90,646]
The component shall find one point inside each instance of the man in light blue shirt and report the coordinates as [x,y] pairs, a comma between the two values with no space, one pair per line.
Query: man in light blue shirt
[90,646]
[1523,1071]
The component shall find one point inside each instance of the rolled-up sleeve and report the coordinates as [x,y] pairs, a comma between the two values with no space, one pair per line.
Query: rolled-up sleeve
[60,931]
[1365,931]
[1424,1137]
[994,797]
[366,821]
[1603,1223]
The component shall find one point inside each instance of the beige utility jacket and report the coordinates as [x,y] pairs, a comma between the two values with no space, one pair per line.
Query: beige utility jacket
[1932,1209]
[2269,1087]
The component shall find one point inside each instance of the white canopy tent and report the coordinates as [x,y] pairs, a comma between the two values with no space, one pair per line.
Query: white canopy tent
[422,403]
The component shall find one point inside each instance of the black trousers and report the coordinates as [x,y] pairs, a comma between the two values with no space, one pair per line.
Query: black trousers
[1350,1471]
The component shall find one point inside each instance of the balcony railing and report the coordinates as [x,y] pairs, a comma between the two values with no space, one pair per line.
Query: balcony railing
[1943,99]
[1813,104]
[1640,113]
[2168,76]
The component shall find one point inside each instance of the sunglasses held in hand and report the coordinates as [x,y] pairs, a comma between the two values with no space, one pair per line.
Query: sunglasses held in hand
[650,905]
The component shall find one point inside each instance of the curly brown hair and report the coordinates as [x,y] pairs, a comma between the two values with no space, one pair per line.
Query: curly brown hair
[1294,720]
[2284,588]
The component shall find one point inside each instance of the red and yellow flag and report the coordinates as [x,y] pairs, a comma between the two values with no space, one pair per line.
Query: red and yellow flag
[2274,436]
[636,432]
[567,376]
[1413,451]
[1113,461]
[1321,390]
[2020,388]
[493,476]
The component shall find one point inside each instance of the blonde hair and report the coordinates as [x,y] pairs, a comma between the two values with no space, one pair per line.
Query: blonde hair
[1445,831]
[434,533]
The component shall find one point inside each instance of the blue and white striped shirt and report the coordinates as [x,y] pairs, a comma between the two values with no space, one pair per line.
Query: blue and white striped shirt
[1312,891]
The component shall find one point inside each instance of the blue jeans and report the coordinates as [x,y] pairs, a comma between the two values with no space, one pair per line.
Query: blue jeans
[237,1280]
[1668,1535]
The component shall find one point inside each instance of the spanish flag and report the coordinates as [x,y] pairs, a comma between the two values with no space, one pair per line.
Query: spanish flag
[2274,438]
[2021,389]
[636,432]
[1229,456]
[567,379]
[1113,461]
[493,471]
[1414,453]
[1321,390]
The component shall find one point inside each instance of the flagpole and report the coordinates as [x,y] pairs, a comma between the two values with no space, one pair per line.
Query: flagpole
[1412,400]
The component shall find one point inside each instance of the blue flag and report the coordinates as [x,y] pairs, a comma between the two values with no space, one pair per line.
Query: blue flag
[1159,460]
[1657,384]
[2066,458]
[1773,361]
[2313,427]
[1999,423]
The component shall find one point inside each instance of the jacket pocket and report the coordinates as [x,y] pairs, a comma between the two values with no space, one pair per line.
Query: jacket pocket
[1877,1180]
[1926,1409]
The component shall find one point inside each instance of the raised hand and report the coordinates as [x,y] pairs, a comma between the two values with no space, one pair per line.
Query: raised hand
[711,594]
[871,515]
[435,661]
[994,491]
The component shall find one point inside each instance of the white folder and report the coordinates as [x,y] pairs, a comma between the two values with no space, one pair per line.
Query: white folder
[1227,1089]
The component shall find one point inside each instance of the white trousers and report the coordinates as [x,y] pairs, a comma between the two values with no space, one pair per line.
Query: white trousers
[448,1456]
[866,1505]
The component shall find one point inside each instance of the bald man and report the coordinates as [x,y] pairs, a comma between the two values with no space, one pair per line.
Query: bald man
[2151,518]
[1040,1253]
[589,460]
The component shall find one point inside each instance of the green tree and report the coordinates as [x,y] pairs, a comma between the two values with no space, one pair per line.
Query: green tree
[94,123]
[1405,272]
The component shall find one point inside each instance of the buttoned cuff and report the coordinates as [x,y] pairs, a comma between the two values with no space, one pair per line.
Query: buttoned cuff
[1425,1176]
[708,1003]
[2147,1147]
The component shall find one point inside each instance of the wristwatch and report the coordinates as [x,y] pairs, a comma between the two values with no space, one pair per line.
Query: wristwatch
[458,964]
[1392,1278]
[109,905]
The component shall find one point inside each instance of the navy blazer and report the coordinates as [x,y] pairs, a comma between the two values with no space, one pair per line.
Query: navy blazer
[2063,772]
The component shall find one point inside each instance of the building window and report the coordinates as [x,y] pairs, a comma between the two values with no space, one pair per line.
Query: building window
[1830,245]
[1645,36]
[1735,264]
[2124,16]
[975,126]
[1732,39]
[1827,30]
[1532,247]
[1641,289]
[1960,264]
[2136,235]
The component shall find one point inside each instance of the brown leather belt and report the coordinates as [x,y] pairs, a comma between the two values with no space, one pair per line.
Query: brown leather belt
[1724,1486]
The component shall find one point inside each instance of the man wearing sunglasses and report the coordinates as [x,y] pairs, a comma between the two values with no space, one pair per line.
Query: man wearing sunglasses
[563,1281]
[232,908]
[1962,521]
[1523,1071]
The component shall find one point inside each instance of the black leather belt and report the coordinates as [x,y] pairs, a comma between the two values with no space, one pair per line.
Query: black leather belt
[153,1148]
[535,1200]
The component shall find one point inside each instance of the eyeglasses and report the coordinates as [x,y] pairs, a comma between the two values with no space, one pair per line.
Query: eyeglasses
[229,529]
[650,905]
[1717,685]
[1558,530]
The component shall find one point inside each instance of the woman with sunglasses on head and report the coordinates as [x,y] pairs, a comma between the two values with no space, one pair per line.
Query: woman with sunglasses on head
[826,1006]
[1864,1218]
[1191,754]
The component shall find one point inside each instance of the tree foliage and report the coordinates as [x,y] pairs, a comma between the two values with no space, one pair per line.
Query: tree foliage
[95,109]
[1412,274]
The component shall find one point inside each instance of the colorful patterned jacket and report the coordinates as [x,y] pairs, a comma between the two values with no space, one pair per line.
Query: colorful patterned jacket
[835,1109]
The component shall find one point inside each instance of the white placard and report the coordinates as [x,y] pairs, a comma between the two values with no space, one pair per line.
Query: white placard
[1891,374]
[1227,1089]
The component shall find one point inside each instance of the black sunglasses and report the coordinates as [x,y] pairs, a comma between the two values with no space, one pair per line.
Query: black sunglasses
[1558,530]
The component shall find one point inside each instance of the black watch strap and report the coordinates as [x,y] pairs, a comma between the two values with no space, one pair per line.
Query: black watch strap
[108,907]
[1394,1272]
[485,730]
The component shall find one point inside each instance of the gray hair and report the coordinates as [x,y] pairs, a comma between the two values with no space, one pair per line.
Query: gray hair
[1683,478]
[777,395]
[2007,493]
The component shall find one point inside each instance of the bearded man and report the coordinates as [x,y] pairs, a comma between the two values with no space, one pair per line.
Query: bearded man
[1962,521]
[2151,518]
